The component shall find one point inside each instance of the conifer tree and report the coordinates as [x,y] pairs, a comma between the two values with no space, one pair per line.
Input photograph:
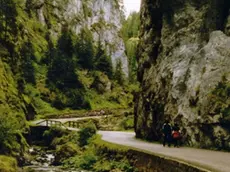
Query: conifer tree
[62,70]
[103,61]
[85,50]
[27,67]
[8,14]
[119,75]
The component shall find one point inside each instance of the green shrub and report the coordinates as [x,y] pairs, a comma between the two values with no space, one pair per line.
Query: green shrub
[86,133]
[72,137]
[85,161]
[103,166]
[52,133]
[66,151]
[11,140]
[123,165]
[8,164]
[72,98]
[127,123]
[219,101]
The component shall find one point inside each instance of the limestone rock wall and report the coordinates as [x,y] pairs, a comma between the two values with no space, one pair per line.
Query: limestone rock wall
[183,58]
[102,17]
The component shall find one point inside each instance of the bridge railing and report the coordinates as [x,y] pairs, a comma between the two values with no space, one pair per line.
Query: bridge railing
[51,123]
[72,124]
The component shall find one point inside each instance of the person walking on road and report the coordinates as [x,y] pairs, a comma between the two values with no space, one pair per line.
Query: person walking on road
[167,133]
[176,135]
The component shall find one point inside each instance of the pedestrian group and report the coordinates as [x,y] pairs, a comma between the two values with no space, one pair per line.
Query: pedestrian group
[171,134]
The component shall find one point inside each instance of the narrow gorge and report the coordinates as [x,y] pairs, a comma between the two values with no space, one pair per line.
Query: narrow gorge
[183,59]
[59,57]
[84,87]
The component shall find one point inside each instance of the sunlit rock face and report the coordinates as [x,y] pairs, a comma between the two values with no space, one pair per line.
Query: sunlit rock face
[184,59]
[102,17]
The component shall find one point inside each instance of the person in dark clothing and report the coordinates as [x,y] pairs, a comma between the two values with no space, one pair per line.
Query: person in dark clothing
[176,135]
[167,131]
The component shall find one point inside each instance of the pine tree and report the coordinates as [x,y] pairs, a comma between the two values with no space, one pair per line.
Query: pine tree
[27,67]
[62,69]
[85,50]
[119,75]
[8,14]
[103,61]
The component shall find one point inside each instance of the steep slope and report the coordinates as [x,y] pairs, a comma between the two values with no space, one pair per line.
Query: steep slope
[103,18]
[49,40]
[56,54]
[184,70]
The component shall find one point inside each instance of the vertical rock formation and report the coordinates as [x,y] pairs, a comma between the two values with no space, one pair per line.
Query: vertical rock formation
[103,18]
[184,61]
[33,23]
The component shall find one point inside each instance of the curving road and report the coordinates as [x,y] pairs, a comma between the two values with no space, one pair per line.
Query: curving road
[213,161]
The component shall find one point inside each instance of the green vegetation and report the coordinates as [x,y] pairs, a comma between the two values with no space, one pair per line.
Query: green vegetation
[119,75]
[47,68]
[65,151]
[129,34]
[85,50]
[131,26]
[103,61]
[117,120]
[52,134]
[220,102]
[94,154]
[54,68]
[8,164]
[10,136]
[86,133]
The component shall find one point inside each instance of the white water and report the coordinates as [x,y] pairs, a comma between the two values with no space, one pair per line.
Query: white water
[43,163]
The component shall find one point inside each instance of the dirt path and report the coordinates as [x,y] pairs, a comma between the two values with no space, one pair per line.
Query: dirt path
[211,160]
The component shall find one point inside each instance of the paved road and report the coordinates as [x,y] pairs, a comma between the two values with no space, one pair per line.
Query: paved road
[213,161]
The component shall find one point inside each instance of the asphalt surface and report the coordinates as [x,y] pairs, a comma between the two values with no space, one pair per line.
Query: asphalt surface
[214,161]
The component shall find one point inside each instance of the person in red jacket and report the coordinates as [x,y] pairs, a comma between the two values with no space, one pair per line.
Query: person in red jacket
[176,135]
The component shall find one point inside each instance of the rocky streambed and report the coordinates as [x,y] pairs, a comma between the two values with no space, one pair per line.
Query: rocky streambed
[42,161]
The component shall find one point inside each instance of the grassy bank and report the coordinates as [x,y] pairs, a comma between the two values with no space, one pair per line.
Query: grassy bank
[8,164]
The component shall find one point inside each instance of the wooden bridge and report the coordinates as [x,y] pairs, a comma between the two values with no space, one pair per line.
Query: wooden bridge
[54,123]
[198,160]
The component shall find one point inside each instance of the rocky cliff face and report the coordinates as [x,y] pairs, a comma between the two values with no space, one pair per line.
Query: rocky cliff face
[31,31]
[184,62]
[35,26]
[103,18]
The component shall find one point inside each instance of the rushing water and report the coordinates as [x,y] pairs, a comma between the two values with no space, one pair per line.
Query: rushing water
[43,162]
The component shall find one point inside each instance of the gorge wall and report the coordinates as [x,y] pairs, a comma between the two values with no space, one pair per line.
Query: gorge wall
[183,59]
[32,28]
[103,18]
[32,35]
